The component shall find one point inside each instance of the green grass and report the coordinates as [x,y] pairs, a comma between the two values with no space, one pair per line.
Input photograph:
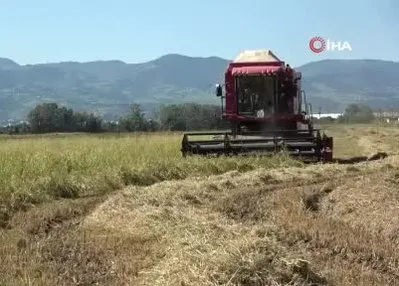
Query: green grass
[35,169]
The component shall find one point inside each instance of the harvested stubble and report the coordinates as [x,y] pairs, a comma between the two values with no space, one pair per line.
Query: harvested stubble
[257,229]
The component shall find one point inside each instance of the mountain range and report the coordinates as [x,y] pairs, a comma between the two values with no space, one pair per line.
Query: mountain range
[109,87]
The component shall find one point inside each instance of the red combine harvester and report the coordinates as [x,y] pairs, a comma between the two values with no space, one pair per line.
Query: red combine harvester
[268,112]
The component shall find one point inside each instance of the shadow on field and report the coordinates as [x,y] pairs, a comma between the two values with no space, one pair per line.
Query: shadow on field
[359,159]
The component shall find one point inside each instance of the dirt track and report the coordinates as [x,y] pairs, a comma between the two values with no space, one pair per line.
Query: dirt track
[325,224]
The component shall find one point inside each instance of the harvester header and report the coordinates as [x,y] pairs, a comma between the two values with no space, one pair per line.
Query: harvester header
[267,108]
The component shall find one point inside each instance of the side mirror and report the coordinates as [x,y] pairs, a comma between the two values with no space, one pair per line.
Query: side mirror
[219,90]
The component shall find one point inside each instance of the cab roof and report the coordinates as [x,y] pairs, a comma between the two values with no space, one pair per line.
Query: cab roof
[257,56]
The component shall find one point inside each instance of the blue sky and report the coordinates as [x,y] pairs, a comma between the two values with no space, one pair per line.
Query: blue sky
[135,31]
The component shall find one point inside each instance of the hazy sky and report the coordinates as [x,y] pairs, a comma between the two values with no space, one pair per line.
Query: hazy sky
[38,31]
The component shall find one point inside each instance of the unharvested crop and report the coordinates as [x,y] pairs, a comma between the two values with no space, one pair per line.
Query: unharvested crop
[37,169]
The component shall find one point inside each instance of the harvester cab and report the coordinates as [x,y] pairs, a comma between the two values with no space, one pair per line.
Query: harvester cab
[268,111]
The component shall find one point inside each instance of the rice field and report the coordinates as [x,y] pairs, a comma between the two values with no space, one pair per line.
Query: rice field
[37,169]
[129,210]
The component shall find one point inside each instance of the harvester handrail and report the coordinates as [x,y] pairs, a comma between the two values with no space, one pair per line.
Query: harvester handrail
[207,132]
[247,132]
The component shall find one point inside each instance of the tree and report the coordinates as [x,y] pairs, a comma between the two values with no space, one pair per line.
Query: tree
[93,124]
[190,116]
[135,120]
[48,117]
[173,117]
[357,113]
[44,118]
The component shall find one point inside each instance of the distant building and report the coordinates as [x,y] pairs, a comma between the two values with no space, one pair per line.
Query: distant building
[323,115]
[387,114]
